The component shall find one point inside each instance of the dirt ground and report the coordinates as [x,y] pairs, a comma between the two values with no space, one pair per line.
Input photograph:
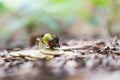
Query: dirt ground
[85,60]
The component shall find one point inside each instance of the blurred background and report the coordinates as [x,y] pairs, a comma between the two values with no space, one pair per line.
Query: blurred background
[21,19]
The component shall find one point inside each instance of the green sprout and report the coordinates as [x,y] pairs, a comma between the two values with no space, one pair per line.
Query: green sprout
[50,40]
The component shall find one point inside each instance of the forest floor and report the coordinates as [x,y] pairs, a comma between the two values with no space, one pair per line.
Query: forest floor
[84,60]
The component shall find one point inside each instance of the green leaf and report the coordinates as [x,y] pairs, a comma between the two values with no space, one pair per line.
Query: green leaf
[102,3]
[57,1]
[47,37]
[2,9]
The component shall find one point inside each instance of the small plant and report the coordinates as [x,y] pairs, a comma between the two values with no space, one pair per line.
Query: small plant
[49,39]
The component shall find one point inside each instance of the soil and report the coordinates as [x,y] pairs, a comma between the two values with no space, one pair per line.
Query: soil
[90,60]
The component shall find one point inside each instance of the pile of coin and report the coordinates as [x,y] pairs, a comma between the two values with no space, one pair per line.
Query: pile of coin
[33,54]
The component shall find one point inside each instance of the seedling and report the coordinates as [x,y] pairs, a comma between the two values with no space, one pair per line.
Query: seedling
[49,39]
